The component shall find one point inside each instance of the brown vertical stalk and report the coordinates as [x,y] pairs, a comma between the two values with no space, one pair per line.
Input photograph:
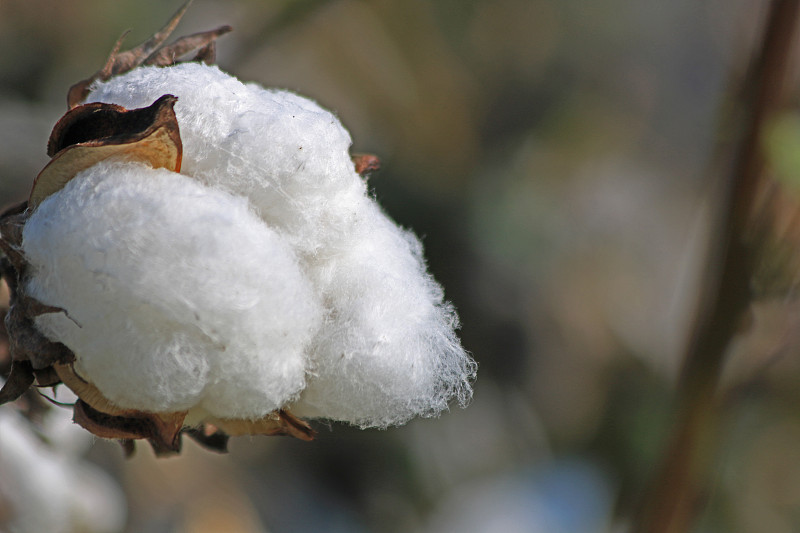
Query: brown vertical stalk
[679,487]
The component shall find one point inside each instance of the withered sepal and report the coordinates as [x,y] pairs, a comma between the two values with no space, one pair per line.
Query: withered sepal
[91,133]
[151,52]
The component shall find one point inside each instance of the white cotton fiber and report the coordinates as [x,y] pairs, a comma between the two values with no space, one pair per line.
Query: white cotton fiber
[286,154]
[390,351]
[383,347]
[178,296]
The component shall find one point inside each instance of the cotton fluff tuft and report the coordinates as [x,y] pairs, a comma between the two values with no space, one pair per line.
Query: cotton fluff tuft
[383,348]
[391,352]
[286,154]
[178,296]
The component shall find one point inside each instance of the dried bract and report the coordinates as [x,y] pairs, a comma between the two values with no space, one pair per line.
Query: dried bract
[90,133]
[151,52]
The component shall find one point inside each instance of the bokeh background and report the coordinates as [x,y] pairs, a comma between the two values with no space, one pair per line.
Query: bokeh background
[553,155]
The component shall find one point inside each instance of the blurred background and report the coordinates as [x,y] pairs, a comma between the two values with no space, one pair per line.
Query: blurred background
[553,156]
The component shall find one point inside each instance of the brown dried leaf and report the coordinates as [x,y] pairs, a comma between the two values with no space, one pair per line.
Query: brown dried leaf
[126,61]
[105,425]
[280,423]
[151,52]
[197,41]
[14,209]
[101,417]
[295,427]
[166,430]
[46,377]
[131,59]
[209,437]
[33,307]
[91,133]
[19,380]
[98,415]
[366,163]
[11,225]
[163,432]
[28,344]
[207,54]
[87,391]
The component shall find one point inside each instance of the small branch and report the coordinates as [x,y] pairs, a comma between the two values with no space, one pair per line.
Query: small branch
[680,485]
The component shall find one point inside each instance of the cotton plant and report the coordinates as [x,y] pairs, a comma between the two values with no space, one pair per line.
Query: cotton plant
[202,256]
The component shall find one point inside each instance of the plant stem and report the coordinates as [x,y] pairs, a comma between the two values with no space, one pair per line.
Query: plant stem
[680,485]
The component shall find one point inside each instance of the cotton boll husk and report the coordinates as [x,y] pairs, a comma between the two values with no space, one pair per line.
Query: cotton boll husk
[177,295]
[286,154]
[389,351]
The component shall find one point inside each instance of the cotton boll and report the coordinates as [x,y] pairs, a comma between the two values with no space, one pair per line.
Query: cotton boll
[286,154]
[389,351]
[178,296]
